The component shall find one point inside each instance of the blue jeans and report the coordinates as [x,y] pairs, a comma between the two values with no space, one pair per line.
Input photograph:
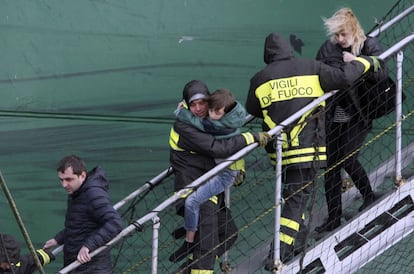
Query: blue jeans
[212,187]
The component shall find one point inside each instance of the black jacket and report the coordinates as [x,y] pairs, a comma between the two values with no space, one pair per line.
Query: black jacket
[27,265]
[286,85]
[331,54]
[192,152]
[90,221]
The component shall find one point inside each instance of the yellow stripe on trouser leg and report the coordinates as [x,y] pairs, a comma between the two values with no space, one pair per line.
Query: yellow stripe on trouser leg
[201,271]
[289,223]
[286,239]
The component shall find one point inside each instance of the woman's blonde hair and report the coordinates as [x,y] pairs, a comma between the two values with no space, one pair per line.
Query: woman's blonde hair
[345,20]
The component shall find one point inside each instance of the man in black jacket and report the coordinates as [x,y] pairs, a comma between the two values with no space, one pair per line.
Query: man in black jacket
[192,153]
[282,88]
[12,262]
[91,221]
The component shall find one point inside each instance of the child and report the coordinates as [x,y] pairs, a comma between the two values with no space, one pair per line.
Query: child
[12,262]
[226,116]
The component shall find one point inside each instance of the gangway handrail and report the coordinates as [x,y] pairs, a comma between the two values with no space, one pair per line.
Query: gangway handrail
[381,28]
[154,213]
[397,47]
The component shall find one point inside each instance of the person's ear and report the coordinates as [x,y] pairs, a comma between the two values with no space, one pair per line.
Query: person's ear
[83,176]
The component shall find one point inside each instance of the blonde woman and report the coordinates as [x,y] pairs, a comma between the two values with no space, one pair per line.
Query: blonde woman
[346,126]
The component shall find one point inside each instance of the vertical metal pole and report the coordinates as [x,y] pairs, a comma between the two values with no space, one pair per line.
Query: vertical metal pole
[398,117]
[155,233]
[227,200]
[278,200]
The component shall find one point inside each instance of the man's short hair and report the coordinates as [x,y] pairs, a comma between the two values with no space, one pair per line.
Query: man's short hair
[77,164]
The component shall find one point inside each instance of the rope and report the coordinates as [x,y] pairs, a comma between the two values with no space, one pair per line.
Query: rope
[20,223]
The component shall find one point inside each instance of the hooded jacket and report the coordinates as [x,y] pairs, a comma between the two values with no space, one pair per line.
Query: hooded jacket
[193,152]
[90,221]
[331,54]
[25,264]
[195,90]
[286,85]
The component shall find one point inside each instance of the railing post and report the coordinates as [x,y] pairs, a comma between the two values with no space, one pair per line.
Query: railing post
[398,117]
[278,202]
[155,234]
[227,194]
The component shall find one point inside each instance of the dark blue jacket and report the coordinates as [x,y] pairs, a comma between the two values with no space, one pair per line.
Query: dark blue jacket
[90,221]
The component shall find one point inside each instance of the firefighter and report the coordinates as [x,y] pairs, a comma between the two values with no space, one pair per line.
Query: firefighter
[282,88]
[192,153]
[12,262]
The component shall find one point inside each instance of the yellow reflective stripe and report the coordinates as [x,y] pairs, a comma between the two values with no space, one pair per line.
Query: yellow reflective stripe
[45,256]
[285,143]
[248,137]
[289,223]
[238,165]
[294,133]
[277,90]
[201,271]
[268,120]
[174,137]
[305,159]
[366,64]
[300,153]
[286,238]
[272,157]
[214,199]
[304,155]
[303,151]
[186,194]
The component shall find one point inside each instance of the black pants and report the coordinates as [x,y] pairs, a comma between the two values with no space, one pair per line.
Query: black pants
[217,232]
[342,140]
[298,185]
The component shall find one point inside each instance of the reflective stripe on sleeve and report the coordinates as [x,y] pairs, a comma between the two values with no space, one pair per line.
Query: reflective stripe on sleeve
[366,64]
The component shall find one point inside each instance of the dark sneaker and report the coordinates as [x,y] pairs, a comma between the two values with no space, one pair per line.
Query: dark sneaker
[179,233]
[367,201]
[328,226]
[182,252]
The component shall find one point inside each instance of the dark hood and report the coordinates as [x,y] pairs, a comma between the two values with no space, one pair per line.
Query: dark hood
[95,178]
[11,246]
[194,90]
[276,48]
